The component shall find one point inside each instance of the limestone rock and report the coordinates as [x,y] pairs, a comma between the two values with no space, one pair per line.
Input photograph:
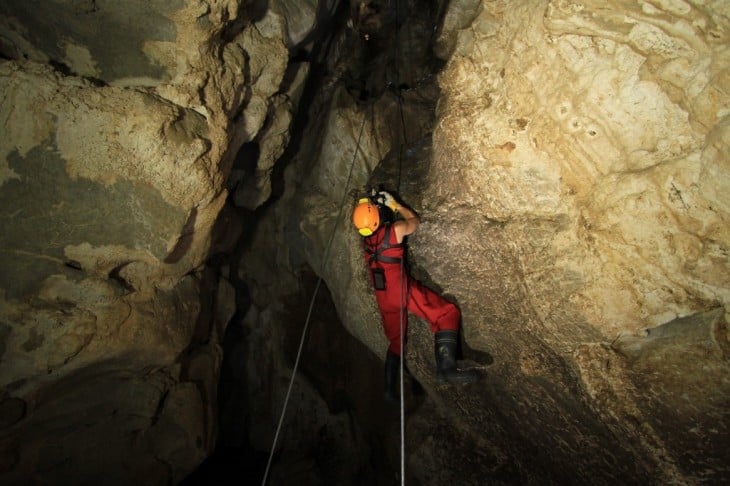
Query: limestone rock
[566,150]
[78,35]
[120,124]
[254,190]
[302,17]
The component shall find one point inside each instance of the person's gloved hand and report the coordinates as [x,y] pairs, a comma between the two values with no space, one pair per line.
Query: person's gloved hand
[389,200]
[377,198]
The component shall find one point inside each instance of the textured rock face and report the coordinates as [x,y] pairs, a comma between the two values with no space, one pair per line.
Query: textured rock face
[95,40]
[587,143]
[593,145]
[608,123]
[120,123]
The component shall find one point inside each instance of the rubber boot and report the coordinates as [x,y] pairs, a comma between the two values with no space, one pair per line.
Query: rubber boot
[446,370]
[392,368]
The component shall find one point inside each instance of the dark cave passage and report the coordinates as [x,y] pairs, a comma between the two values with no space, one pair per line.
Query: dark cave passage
[348,378]
[345,374]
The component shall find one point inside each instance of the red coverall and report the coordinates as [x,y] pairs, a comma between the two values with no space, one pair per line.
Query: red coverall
[415,297]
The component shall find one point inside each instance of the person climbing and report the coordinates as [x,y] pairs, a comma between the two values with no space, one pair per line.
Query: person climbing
[398,293]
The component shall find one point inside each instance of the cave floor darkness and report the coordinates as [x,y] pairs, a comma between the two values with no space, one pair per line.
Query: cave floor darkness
[349,381]
[229,465]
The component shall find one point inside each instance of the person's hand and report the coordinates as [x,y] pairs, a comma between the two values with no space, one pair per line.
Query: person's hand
[377,197]
[388,200]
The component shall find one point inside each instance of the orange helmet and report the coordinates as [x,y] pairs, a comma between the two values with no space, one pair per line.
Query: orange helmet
[366,217]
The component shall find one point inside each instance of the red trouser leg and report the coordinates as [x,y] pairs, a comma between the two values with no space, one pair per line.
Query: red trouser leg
[441,314]
[391,326]
[393,307]
[423,302]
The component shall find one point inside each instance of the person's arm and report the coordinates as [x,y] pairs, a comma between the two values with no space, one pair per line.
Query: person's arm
[410,221]
[407,225]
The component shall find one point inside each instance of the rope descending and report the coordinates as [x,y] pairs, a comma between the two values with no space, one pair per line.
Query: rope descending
[403,298]
[311,305]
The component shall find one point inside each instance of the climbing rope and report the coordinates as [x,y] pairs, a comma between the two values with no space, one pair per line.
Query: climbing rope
[311,304]
[403,296]
[404,306]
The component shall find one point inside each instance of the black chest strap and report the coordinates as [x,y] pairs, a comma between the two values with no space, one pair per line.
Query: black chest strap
[376,254]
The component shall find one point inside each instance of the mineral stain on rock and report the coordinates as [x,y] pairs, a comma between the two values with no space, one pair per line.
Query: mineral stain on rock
[43,211]
[99,41]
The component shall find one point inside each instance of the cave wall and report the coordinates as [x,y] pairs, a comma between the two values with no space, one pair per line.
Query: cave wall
[586,146]
[609,123]
[120,126]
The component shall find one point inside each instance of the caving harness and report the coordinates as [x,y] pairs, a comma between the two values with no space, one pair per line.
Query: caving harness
[375,256]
